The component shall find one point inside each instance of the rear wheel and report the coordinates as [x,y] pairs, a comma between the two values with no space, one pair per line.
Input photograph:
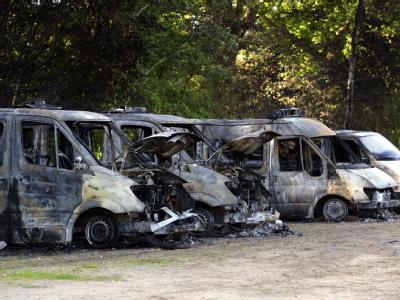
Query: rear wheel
[100,231]
[335,210]
[207,219]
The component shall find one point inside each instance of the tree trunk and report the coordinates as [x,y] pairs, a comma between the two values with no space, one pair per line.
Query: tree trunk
[352,63]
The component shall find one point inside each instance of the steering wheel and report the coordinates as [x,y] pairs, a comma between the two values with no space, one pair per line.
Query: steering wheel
[64,162]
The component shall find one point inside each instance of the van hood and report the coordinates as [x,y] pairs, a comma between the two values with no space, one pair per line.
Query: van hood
[392,168]
[206,185]
[112,190]
[369,178]
[165,144]
[248,143]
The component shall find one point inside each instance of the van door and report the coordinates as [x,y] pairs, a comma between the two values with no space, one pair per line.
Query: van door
[298,175]
[5,175]
[48,188]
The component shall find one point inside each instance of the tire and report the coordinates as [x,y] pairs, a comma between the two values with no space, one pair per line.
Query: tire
[335,210]
[207,218]
[100,231]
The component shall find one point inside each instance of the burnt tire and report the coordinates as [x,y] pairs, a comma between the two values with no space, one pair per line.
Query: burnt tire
[207,218]
[335,210]
[100,231]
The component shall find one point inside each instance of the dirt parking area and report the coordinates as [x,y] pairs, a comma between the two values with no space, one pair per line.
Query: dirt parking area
[352,260]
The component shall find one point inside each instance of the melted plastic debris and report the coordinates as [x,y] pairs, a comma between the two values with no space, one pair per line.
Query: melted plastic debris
[265,230]
[380,215]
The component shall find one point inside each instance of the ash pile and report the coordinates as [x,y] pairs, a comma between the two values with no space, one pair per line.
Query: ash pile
[268,229]
[380,215]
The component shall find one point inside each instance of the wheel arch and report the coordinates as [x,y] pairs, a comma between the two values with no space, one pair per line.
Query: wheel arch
[217,212]
[317,211]
[84,210]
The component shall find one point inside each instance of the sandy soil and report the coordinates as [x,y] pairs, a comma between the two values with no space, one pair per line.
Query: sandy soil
[350,260]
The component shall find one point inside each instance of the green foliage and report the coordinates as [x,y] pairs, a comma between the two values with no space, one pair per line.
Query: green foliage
[205,58]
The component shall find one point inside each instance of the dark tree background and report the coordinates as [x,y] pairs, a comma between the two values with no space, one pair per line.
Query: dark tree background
[208,58]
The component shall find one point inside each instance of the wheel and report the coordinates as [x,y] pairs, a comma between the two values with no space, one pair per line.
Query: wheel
[335,210]
[100,231]
[207,218]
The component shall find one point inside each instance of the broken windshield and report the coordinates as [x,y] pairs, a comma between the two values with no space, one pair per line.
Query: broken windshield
[380,147]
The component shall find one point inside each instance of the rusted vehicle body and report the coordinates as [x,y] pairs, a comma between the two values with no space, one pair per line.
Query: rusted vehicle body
[54,190]
[302,179]
[217,200]
[374,149]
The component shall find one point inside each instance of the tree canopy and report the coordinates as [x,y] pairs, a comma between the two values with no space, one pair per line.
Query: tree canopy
[207,58]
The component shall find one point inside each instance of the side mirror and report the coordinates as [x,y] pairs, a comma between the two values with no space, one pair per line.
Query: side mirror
[80,166]
[78,160]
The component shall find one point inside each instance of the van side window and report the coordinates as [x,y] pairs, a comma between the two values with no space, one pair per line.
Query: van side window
[39,146]
[98,140]
[357,152]
[289,155]
[348,151]
[66,152]
[312,161]
[136,133]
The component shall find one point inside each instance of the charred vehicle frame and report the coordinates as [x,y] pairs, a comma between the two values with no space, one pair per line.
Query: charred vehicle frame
[218,196]
[163,192]
[309,182]
[53,190]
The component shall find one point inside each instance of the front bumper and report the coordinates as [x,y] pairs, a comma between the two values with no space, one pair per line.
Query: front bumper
[183,222]
[191,222]
[374,204]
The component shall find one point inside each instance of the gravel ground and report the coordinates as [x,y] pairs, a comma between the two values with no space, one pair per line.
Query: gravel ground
[349,260]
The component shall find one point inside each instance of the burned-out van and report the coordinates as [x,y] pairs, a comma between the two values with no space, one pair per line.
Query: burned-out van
[216,199]
[163,192]
[302,179]
[54,190]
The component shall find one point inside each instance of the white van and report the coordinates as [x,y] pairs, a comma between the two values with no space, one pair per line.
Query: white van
[375,150]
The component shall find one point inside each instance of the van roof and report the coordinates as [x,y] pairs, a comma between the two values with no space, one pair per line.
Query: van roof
[65,115]
[155,118]
[229,129]
[285,126]
[354,133]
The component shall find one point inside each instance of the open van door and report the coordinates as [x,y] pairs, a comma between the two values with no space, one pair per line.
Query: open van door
[298,175]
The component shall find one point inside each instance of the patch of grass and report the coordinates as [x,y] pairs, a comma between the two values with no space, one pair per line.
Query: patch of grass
[85,266]
[148,262]
[40,275]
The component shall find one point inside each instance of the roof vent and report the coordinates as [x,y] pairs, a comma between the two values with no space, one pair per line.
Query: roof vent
[286,112]
[127,109]
[40,104]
